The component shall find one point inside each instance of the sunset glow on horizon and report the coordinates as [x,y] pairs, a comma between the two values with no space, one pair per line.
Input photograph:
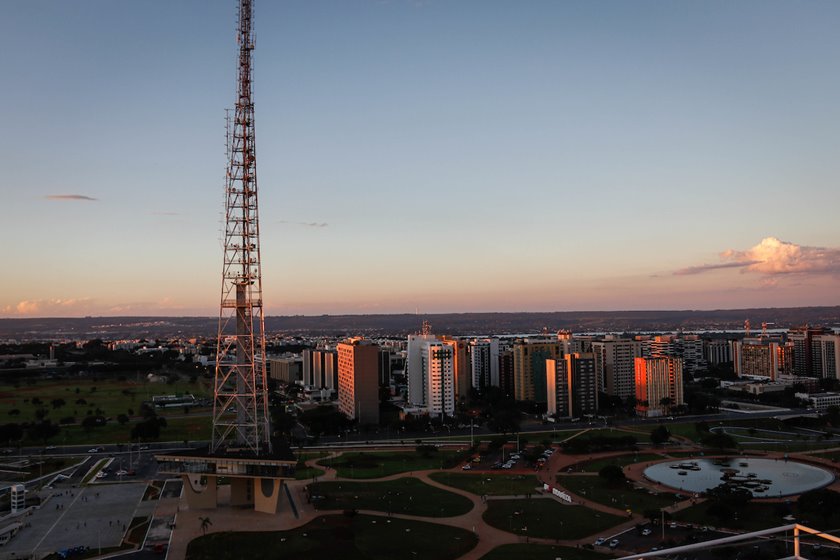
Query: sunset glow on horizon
[425,156]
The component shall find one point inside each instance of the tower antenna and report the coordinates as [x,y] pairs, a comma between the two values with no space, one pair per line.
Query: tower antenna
[240,404]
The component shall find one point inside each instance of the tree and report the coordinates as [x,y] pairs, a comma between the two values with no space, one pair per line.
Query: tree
[122,419]
[43,431]
[91,422]
[205,524]
[719,440]
[612,474]
[659,435]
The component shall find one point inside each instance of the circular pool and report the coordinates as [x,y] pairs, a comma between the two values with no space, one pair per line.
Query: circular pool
[764,478]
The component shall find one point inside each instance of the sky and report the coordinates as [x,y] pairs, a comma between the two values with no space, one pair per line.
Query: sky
[424,155]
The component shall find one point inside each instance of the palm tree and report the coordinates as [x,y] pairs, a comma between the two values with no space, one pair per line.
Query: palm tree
[205,523]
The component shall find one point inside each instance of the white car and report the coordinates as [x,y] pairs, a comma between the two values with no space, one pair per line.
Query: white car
[94,450]
[122,472]
[101,474]
[464,468]
[600,540]
[614,543]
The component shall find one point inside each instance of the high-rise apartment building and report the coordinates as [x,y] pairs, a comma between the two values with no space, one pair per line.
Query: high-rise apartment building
[614,365]
[484,363]
[506,383]
[358,380]
[804,362]
[825,355]
[659,385]
[461,364]
[414,367]
[529,356]
[572,386]
[717,351]
[759,356]
[438,366]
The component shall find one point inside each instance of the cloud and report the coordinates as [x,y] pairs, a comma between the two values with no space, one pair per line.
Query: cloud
[69,197]
[305,224]
[47,307]
[773,257]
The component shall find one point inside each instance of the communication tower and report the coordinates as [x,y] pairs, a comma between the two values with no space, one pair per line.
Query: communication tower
[240,405]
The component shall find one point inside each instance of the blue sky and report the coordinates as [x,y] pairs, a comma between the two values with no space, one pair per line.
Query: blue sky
[431,155]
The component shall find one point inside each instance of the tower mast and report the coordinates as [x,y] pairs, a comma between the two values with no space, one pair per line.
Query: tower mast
[240,405]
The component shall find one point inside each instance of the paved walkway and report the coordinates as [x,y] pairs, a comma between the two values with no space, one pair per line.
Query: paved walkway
[230,519]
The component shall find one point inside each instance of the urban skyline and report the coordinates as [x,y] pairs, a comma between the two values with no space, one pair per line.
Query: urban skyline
[426,156]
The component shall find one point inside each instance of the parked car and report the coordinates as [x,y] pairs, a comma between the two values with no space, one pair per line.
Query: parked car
[466,467]
[614,543]
[600,540]
[646,532]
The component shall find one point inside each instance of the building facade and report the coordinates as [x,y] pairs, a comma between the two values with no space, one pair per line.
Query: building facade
[659,385]
[358,380]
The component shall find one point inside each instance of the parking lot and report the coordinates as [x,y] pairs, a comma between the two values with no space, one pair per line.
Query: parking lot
[504,460]
[94,516]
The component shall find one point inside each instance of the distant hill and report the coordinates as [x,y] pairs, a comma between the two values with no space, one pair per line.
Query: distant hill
[445,323]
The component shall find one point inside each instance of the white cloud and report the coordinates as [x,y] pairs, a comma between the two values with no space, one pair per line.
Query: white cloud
[774,257]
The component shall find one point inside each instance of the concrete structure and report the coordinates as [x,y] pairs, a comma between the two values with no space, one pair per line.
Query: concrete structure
[254,481]
[320,368]
[288,369]
[529,356]
[658,378]
[18,498]
[358,380]
[761,356]
[614,365]
[717,351]
[820,401]
[572,386]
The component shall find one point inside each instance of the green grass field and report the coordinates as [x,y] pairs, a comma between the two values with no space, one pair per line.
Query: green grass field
[338,537]
[624,497]
[541,552]
[621,461]
[547,518]
[385,463]
[403,495]
[105,397]
[489,484]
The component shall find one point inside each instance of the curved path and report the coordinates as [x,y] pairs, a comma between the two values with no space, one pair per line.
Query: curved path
[489,537]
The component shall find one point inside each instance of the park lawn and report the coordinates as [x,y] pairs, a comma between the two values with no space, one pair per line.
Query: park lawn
[305,473]
[489,484]
[110,396]
[624,497]
[622,461]
[403,495]
[547,518]
[187,428]
[541,552]
[754,516]
[332,537]
[385,463]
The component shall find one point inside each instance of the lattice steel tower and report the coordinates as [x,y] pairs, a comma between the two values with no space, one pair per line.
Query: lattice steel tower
[240,406]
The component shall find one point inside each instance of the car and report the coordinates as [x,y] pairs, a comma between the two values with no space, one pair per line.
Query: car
[466,467]
[95,450]
[673,525]
[614,543]
[122,472]
[600,541]
[646,532]
[50,448]
[101,474]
